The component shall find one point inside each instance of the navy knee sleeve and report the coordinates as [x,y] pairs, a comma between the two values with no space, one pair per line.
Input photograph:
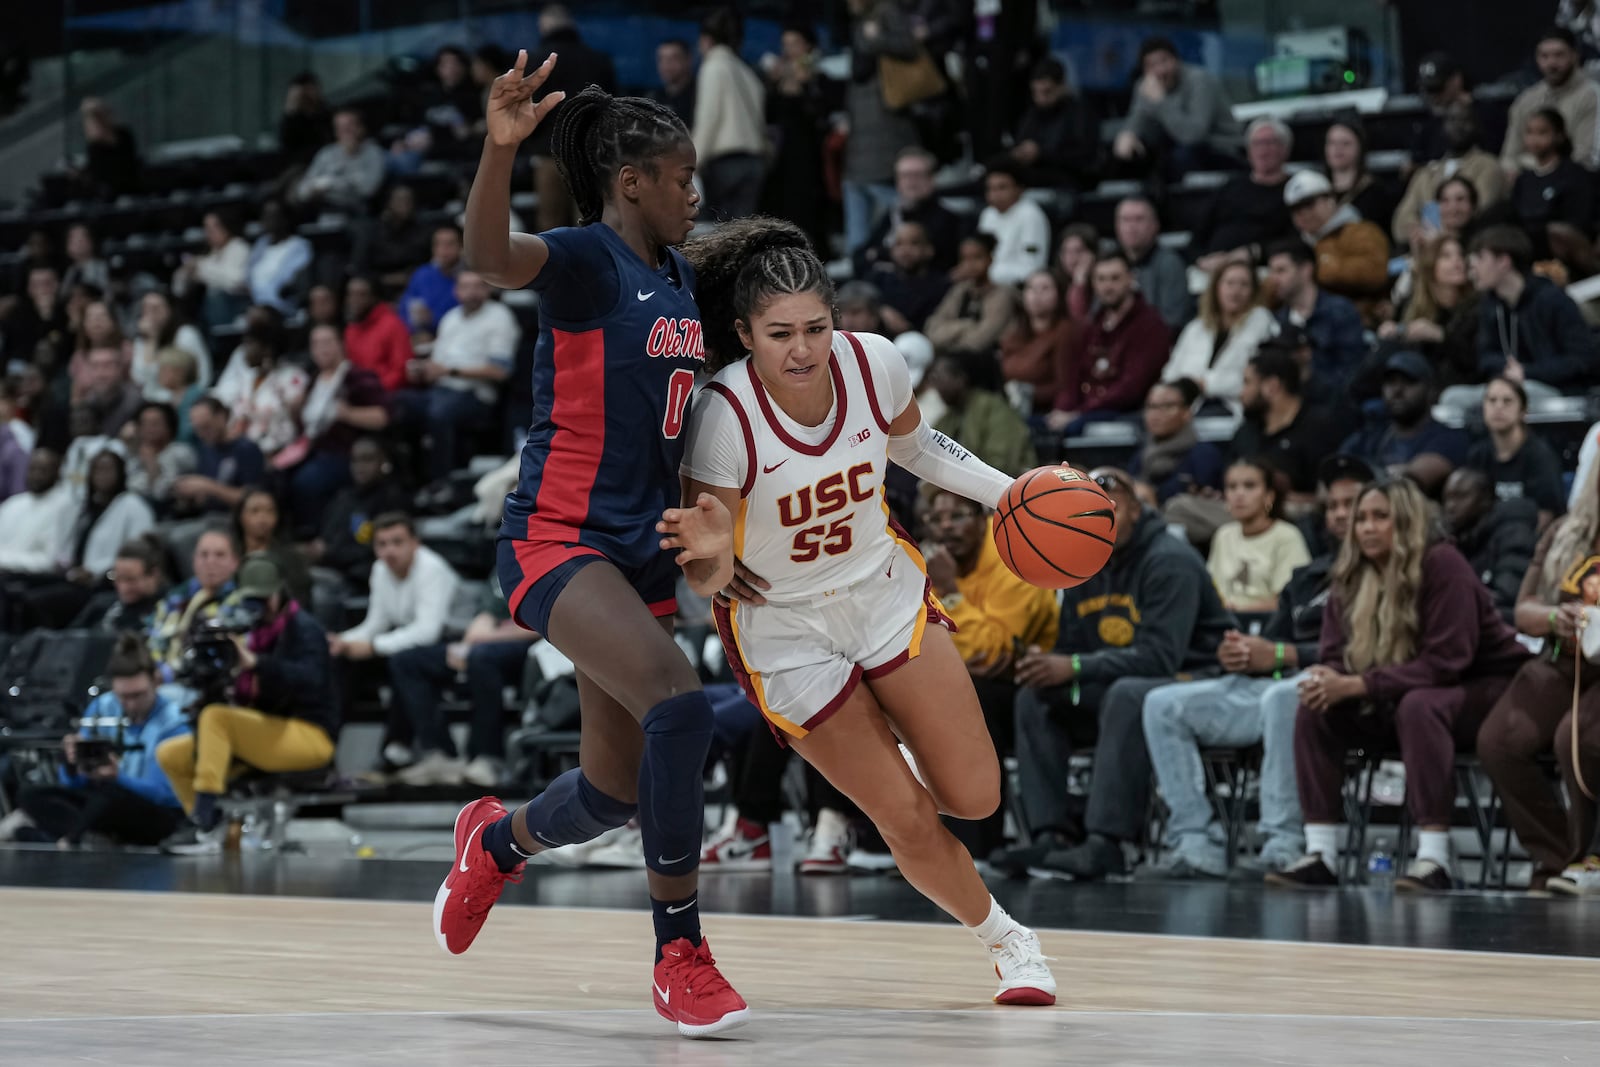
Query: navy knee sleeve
[677,736]
[572,811]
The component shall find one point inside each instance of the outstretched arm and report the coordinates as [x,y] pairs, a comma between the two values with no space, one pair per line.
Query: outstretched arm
[505,259]
[702,534]
[933,457]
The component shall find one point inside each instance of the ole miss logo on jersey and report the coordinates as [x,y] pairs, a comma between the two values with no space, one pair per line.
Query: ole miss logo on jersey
[670,338]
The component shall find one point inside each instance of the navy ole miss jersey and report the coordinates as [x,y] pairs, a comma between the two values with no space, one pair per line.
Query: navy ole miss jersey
[613,372]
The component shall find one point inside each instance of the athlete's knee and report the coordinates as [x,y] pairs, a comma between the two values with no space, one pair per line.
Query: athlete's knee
[908,820]
[682,716]
[976,796]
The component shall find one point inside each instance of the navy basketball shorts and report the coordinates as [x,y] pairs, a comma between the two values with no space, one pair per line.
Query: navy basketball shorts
[533,574]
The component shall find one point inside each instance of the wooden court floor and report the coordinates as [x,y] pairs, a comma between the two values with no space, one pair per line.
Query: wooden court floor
[133,978]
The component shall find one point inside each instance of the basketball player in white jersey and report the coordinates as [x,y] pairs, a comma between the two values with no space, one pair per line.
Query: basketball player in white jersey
[844,654]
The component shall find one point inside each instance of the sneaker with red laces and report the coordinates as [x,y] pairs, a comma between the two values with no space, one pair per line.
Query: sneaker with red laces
[690,991]
[741,846]
[474,882]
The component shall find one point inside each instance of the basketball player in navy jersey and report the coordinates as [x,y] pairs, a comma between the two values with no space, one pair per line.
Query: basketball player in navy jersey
[579,555]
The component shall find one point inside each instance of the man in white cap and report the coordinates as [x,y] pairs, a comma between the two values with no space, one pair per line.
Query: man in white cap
[1352,254]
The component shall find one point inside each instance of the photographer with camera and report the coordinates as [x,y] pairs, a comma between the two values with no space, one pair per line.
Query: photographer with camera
[111,783]
[266,677]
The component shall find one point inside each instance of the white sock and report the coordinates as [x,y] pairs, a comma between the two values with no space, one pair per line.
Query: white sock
[996,926]
[1434,845]
[1323,840]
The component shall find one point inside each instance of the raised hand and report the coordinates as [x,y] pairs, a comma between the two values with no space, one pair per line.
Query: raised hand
[511,114]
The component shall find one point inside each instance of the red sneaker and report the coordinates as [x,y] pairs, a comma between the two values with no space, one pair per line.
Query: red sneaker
[474,882]
[741,846]
[690,991]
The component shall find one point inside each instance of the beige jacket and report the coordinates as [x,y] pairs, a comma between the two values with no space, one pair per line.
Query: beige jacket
[1578,101]
[729,107]
[1477,166]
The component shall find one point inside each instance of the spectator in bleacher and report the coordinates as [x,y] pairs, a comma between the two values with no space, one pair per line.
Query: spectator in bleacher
[16,442]
[1409,442]
[262,390]
[260,530]
[391,245]
[1057,140]
[675,69]
[97,328]
[177,372]
[910,283]
[976,312]
[1552,198]
[1330,323]
[1563,87]
[580,65]
[730,132]
[977,415]
[1247,215]
[489,656]
[225,462]
[457,387]
[323,308]
[158,458]
[1352,254]
[1441,318]
[112,167]
[215,563]
[1149,615]
[1253,703]
[343,402]
[1496,536]
[83,260]
[87,442]
[121,795]
[1412,654]
[221,274]
[160,326]
[111,516]
[1213,349]
[1533,719]
[860,307]
[306,124]
[1463,160]
[800,99]
[1172,459]
[1281,422]
[138,575]
[1074,267]
[279,259]
[1124,347]
[1520,465]
[914,201]
[38,318]
[343,544]
[452,102]
[281,717]
[1161,274]
[1529,331]
[1020,227]
[1443,86]
[431,292]
[1181,119]
[999,43]
[36,520]
[1253,555]
[374,335]
[1039,342]
[1344,159]
[105,391]
[344,175]
[878,136]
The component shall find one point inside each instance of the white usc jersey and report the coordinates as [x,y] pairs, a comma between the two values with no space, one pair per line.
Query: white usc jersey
[813,520]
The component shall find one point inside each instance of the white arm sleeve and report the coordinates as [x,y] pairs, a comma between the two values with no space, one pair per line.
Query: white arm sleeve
[716,454]
[933,457]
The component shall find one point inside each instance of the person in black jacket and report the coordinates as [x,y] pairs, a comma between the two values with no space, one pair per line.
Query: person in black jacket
[1254,702]
[1151,617]
[1553,199]
[579,67]
[1497,537]
[344,545]
[282,715]
[1057,140]
[914,168]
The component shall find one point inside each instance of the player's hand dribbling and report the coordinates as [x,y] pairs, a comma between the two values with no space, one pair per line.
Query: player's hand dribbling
[511,115]
[704,531]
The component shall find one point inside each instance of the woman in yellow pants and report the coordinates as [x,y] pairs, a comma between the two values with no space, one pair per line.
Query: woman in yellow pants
[284,719]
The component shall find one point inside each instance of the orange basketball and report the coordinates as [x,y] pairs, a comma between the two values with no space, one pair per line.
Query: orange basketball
[1055,528]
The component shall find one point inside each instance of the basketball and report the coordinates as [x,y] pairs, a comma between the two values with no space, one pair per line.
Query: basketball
[1055,528]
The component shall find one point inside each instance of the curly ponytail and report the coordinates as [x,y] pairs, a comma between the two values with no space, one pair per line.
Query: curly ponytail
[596,134]
[741,265]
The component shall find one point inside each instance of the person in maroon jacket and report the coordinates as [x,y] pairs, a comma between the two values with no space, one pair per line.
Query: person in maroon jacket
[1412,651]
[1124,348]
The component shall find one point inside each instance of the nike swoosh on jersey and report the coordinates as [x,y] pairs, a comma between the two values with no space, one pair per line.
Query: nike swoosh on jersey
[643,296]
[775,466]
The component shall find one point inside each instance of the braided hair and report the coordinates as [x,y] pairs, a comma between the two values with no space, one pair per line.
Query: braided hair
[596,134]
[741,265]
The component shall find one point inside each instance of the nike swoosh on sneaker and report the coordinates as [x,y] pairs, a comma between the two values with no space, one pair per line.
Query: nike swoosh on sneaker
[463,863]
[663,861]
[775,466]
[683,907]
[545,839]
[664,994]
[643,296]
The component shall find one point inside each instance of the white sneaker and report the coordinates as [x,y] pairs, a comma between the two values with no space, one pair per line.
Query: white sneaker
[485,772]
[9,825]
[859,859]
[397,755]
[740,845]
[578,855]
[626,850]
[1025,977]
[830,845]
[434,768]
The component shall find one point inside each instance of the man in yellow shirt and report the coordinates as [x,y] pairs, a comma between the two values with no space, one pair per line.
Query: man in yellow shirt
[995,613]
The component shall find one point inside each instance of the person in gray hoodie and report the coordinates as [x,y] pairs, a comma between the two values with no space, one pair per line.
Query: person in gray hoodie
[1151,617]
[1181,118]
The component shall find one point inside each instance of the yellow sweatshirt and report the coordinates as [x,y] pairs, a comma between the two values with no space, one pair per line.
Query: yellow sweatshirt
[993,606]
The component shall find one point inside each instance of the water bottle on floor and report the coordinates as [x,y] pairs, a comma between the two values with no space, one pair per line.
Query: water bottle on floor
[1380,864]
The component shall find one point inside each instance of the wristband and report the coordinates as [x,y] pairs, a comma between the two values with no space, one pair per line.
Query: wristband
[1277,665]
[1077,668]
[1551,619]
